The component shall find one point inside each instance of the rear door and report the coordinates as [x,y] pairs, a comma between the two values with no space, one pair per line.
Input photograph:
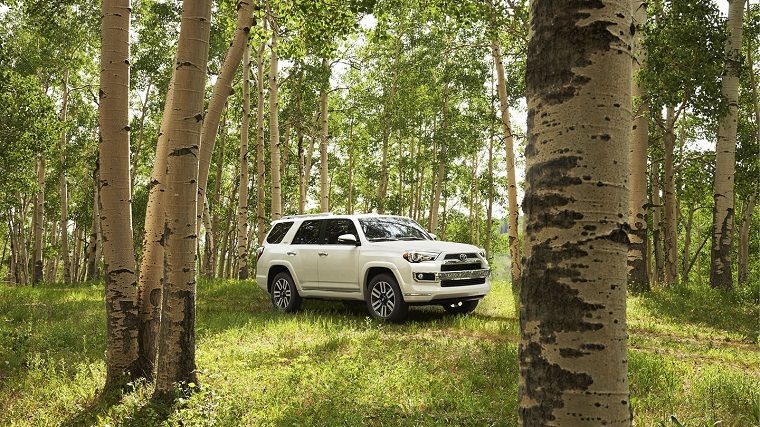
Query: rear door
[302,253]
[338,263]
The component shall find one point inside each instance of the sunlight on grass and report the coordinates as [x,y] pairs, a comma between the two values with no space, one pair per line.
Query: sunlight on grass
[328,365]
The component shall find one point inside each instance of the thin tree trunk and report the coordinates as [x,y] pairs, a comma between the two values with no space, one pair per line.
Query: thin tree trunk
[260,167]
[670,226]
[638,280]
[573,359]
[222,90]
[176,360]
[659,262]
[140,137]
[39,212]
[51,262]
[62,188]
[242,211]
[489,208]
[725,155]
[350,201]
[514,215]
[215,235]
[285,151]
[440,175]
[274,125]
[324,191]
[687,246]
[92,247]
[115,195]
[744,235]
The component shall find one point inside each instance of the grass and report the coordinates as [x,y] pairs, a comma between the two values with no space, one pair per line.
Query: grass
[693,356]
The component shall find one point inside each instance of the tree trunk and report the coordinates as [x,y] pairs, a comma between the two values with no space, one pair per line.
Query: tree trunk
[62,187]
[285,152]
[39,212]
[274,125]
[659,261]
[687,245]
[744,235]
[670,226]
[51,262]
[638,280]
[725,155]
[242,211]
[140,137]
[116,195]
[440,175]
[512,230]
[151,276]
[350,201]
[93,246]
[489,208]
[324,190]
[222,90]
[573,321]
[261,179]
[176,360]
[215,235]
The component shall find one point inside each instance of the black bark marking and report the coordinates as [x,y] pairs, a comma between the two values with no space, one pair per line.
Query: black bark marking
[553,173]
[554,381]
[720,272]
[182,151]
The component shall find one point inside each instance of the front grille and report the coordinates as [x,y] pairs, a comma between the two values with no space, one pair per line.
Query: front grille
[456,256]
[463,282]
[460,267]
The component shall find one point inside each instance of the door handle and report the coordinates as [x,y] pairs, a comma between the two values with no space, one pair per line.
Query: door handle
[291,253]
[322,253]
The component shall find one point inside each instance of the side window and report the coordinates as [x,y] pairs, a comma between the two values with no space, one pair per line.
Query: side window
[279,231]
[337,227]
[308,233]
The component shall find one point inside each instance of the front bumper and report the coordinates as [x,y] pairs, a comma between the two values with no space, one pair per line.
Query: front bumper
[429,286]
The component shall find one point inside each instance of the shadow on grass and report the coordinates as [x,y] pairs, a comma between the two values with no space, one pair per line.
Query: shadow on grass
[152,412]
[704,306]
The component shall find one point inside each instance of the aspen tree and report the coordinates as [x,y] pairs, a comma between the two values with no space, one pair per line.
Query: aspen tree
[573,336]
[242,210]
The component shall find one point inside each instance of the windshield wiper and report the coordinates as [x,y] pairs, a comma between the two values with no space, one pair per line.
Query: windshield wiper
[410,238]
[382,239]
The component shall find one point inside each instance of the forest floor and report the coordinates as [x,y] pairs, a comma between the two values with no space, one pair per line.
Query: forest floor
[693,355]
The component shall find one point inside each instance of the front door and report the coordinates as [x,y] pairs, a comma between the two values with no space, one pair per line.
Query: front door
[338,263]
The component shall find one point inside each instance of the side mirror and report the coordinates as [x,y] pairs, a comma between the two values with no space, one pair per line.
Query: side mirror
[348,239]
[435,237]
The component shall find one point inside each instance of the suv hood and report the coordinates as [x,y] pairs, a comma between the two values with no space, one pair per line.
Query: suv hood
[426,245]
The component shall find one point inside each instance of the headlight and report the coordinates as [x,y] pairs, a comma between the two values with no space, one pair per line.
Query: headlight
[482,252]
[417,256]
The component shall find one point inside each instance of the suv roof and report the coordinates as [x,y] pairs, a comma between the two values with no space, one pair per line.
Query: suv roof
[330,215]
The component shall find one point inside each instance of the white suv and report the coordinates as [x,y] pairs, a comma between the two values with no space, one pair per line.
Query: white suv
[389,262]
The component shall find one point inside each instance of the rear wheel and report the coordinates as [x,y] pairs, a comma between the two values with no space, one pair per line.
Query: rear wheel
[284,296]
[461,307]
[384,299]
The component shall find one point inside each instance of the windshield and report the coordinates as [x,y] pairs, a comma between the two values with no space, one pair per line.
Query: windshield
[392,228]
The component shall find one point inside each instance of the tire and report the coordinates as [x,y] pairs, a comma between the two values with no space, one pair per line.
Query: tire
[384,299]
[284,295]
[461,307]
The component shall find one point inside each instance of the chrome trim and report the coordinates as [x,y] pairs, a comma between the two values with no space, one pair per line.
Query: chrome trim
[466,274]
[466,261]
[417,295]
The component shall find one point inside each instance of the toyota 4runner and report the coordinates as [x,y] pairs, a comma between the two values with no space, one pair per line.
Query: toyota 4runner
[387,262]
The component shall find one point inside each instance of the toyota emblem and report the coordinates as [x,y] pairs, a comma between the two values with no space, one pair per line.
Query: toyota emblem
[462,257]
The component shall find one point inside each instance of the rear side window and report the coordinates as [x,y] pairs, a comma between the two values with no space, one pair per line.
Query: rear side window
[279,231]
[308,233]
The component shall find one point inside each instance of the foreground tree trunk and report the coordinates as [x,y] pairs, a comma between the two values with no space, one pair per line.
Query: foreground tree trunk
[152,262]
[222,90]
[242,211]
[176,360]
[512,231]
[115,194]
[638,278]
[573,334]
[725,155]
[274,124]
[39,212]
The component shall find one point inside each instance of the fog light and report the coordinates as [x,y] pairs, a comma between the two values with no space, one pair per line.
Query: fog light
[420,276]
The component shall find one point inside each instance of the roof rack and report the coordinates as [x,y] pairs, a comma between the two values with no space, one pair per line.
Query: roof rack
[307,215]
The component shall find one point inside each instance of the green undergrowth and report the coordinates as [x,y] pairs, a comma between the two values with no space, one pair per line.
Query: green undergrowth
[693,356]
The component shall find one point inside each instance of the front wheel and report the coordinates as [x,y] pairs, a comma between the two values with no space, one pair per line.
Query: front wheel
[461,307]
[285,297]
[384,299]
